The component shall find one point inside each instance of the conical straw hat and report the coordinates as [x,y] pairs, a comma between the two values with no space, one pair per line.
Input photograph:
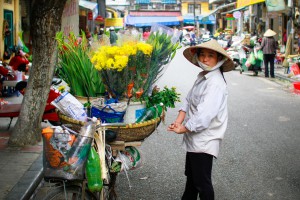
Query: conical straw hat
[269,33]
[190,52]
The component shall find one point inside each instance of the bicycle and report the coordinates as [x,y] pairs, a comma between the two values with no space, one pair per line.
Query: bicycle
[77,189]
[125,135]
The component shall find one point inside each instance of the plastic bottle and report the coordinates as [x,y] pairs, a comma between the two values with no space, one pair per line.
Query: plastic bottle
[93,172]
[151,113]
[78,154]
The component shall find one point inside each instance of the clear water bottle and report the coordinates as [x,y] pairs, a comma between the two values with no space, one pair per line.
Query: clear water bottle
[78,154]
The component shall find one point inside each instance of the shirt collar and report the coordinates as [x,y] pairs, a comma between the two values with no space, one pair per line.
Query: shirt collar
[212,73]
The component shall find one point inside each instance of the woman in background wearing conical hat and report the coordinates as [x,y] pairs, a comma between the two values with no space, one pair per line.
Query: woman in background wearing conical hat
[269,46]
[203,117]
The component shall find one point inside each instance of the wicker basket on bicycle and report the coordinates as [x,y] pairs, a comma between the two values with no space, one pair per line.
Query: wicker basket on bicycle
[128,133]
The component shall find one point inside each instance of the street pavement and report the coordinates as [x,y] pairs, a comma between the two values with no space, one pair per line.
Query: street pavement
[21,167]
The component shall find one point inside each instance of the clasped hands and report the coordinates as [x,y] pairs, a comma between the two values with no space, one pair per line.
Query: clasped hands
[177,128]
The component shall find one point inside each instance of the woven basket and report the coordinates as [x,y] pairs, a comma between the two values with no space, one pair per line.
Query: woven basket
[136,131]
[128,133]
[75,124]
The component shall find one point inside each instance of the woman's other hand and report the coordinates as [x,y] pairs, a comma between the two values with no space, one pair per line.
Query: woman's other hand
[177,128]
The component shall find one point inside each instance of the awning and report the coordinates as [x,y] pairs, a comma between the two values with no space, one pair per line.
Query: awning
[219,8]
[237,9]
[148,21]
[242,3]
[189,19]
[88,4]
[207,20]
[155,13]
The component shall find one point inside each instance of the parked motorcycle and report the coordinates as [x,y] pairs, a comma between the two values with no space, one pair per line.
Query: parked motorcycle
[237,51]
[49,114]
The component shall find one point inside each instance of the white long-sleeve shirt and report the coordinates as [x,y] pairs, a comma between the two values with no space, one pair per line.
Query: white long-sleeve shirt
[206,114]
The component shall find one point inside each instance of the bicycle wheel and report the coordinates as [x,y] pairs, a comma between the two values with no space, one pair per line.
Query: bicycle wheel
[108,190]
[70,192]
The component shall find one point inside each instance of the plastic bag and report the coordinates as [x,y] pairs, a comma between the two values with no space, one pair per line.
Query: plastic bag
[70,106]
[109,107]
[260,55]
[248,64]
[252,59]
[129,159]
[22,44]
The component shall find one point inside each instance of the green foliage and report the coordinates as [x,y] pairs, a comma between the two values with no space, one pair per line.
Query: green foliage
[163,52]
[75,67]
[167,96]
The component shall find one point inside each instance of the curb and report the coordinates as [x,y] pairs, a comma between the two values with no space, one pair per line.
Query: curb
[28,183]
[282,77]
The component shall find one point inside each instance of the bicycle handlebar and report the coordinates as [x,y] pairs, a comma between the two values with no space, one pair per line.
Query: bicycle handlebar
[111,124]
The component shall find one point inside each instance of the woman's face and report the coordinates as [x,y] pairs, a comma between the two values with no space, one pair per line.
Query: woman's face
[208,57]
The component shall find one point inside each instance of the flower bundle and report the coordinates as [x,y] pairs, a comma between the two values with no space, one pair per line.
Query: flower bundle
[164,50]
[75,67]
[131,68]
[121,66]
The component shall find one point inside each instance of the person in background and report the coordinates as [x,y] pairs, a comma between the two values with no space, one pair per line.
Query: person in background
[202,119]
[113,36]
[192,40]
[19,61]
[284,37]
[229,40]
[146,34]
[269,46]
[180,34]
[100,34]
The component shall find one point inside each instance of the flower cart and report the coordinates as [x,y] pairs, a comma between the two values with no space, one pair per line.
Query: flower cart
[128,71]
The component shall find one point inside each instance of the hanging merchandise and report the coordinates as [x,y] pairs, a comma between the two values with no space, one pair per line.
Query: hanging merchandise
[127,160]
[252,59]
[229,16]
[275,5]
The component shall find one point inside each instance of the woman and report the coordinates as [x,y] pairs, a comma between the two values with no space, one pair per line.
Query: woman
[19,61]
[146,34]
[269,46]
[202,119]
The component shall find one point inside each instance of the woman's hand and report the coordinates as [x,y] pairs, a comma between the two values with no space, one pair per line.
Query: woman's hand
[177,128]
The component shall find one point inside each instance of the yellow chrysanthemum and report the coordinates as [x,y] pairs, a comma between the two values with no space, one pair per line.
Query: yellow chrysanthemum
[121,62]
[110,63]
[145,48]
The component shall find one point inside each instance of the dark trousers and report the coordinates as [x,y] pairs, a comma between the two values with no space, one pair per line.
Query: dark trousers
[198,168]
[269,58]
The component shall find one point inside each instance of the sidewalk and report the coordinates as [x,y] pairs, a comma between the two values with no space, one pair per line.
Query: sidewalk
[20,167]
[280,75]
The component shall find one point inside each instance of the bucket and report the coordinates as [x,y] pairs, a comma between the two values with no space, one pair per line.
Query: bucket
[134,111]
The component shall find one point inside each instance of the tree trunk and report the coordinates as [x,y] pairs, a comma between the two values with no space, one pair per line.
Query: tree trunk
[45,22]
